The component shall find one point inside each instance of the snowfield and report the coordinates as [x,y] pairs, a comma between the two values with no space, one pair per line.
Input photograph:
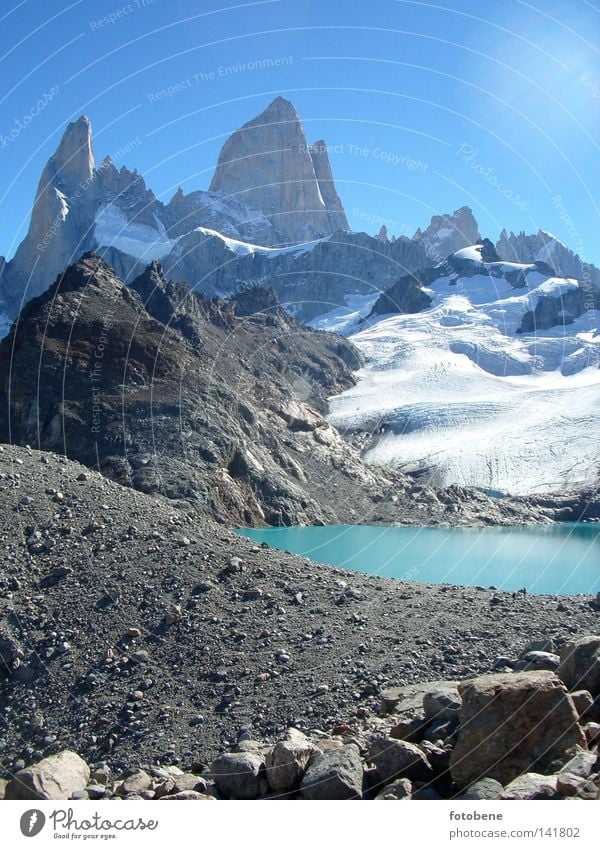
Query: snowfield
[113,229]
[457,393]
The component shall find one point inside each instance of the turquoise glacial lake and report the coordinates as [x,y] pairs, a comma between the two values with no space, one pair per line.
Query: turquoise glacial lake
[555,559]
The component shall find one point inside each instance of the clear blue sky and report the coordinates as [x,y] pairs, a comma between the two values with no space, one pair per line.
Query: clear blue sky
[426,106]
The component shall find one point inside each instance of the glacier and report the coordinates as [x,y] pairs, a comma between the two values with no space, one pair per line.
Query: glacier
[459,395]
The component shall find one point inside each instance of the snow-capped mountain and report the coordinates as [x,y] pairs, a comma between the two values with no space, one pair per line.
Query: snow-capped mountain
[276,221]
[494,383]
[482,361]
[270,188]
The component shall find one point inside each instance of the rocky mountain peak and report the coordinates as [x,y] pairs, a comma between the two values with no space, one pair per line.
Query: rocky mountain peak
[279,109]
[74,156]
[178,196]
[269,165]
[90,271]
[449,233]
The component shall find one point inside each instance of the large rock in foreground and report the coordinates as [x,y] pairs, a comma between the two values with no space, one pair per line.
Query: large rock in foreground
[580,664]
[56,777]
[288,760]
[511,723]
[337,774]
[239,775]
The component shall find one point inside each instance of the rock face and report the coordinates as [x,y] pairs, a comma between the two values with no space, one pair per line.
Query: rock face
[333,205]
[580,664]
[208,239]
[309,281]
[207,401]
[269,165]
[337,774]
[511,723]
[407,295]
[56,777]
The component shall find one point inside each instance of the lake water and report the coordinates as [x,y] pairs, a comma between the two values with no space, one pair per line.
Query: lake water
[556,559]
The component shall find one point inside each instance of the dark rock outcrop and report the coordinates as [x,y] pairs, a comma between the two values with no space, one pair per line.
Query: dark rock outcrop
[215,402]
[407,295]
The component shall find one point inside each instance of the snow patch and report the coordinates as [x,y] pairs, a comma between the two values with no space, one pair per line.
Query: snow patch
[346,319]
[244,248]
[113,229]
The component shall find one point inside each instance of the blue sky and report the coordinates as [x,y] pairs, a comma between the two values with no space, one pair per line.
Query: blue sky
[425,106]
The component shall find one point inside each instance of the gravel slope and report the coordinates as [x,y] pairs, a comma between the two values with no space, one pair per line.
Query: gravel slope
[284,640]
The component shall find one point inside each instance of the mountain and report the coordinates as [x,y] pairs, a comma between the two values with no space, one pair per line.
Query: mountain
[215,241]
[480,372]
[164,391]
[547,248]
[220,404]
[280,191]
[269,165]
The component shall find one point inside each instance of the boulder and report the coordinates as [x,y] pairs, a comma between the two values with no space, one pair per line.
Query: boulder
[511,723]
[437,757]
[239,775]
[11,653]
[288,760]
[409,728]
[400,789]
[441,729]
[485,788]
[580,664]
[539,660]
[441,703]
[592,733]
[532,785]
[176,784]
[574,786]
[337,774]
[425,792]
[55,777]
[581,763]
[398,759]
[583,701]
[538,645]
[188,795]
[409,697]
[138,782]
